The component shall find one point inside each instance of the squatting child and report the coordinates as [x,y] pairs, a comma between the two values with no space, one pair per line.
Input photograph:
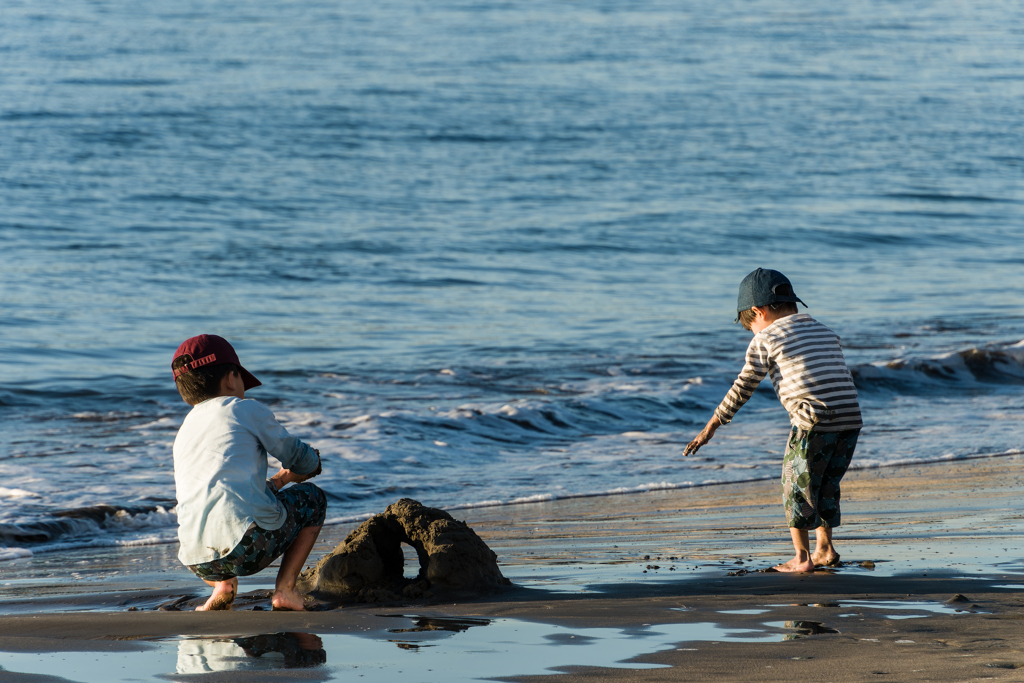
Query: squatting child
[232,520]
[810,376]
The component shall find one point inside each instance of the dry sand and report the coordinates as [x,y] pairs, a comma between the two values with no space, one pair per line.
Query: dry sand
[665,579]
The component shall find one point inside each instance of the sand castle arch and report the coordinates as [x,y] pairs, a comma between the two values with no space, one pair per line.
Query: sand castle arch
[369,565]
[388,536]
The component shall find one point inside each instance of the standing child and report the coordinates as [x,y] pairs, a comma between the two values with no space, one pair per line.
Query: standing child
[811,379]
[232,520]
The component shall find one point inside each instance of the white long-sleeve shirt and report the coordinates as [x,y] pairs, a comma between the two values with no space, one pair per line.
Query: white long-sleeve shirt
[220,472]
[808,371]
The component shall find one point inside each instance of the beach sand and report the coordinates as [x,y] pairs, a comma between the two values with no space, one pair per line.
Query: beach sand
[640,587]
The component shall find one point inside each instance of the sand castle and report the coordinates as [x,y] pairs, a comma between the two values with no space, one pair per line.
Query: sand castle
[368,566]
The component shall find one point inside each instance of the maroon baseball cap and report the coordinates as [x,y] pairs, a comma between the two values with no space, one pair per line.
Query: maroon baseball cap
[209,349]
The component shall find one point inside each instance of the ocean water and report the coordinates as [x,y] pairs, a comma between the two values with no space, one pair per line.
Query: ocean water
[486,252]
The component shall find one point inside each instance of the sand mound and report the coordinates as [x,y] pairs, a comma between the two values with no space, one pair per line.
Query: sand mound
[368,565]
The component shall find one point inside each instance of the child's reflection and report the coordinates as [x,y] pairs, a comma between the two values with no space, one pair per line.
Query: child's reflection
[284,650]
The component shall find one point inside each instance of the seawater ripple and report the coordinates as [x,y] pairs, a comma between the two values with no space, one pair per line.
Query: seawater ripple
[482,253]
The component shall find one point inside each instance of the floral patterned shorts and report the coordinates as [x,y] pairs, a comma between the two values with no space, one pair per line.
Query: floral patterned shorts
[306,505]
[811,469]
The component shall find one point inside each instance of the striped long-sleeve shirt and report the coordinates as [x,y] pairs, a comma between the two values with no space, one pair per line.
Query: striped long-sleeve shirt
[809,373]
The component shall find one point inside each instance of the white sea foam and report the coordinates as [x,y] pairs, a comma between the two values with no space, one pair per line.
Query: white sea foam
[17,493]
[537,498]
[348,519]
[153,539]
[618,491]
[162,425]
[864,463]
[8,554]
[107,541]
[122,520]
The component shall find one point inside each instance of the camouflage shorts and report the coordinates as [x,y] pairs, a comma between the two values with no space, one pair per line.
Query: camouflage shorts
[306,505]
[811,469]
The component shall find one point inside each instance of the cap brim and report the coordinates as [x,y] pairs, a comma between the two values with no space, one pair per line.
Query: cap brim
[788,300]
[249,380]
[778,300]
[798,299]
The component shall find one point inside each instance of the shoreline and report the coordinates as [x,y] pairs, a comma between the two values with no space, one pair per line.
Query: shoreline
[18,553]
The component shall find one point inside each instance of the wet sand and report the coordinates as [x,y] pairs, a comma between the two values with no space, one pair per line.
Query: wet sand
[635,570]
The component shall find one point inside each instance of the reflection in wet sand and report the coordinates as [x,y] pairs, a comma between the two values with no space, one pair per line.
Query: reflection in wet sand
[803,628]
[273,650]
[436,624]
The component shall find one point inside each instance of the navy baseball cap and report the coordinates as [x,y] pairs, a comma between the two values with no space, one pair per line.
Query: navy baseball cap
[209,349]
[764,287]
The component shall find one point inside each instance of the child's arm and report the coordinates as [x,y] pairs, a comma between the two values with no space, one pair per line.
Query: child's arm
[705,435]
[285,477]
[754,370]
[299,460]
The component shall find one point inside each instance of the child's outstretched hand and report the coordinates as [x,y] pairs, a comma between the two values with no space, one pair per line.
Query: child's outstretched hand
[705,435]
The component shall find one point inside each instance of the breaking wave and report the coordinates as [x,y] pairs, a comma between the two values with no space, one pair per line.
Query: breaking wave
[976,366]
[88,527]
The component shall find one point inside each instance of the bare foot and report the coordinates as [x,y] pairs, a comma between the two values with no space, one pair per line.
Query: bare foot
[796,565]
[825,559]
[223,596]
[288,600]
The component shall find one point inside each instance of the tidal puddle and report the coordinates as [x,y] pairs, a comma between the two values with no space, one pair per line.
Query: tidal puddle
[743,611]
[904,608]
[424,649]
[925,606]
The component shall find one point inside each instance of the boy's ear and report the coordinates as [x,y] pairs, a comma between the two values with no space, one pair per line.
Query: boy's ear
[231,383]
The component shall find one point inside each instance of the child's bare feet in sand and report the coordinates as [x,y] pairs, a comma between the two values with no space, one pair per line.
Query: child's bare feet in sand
[797,564]
[223,595]
[285,595]
[824,558]
[824,554]
[288,600]
[801,562]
